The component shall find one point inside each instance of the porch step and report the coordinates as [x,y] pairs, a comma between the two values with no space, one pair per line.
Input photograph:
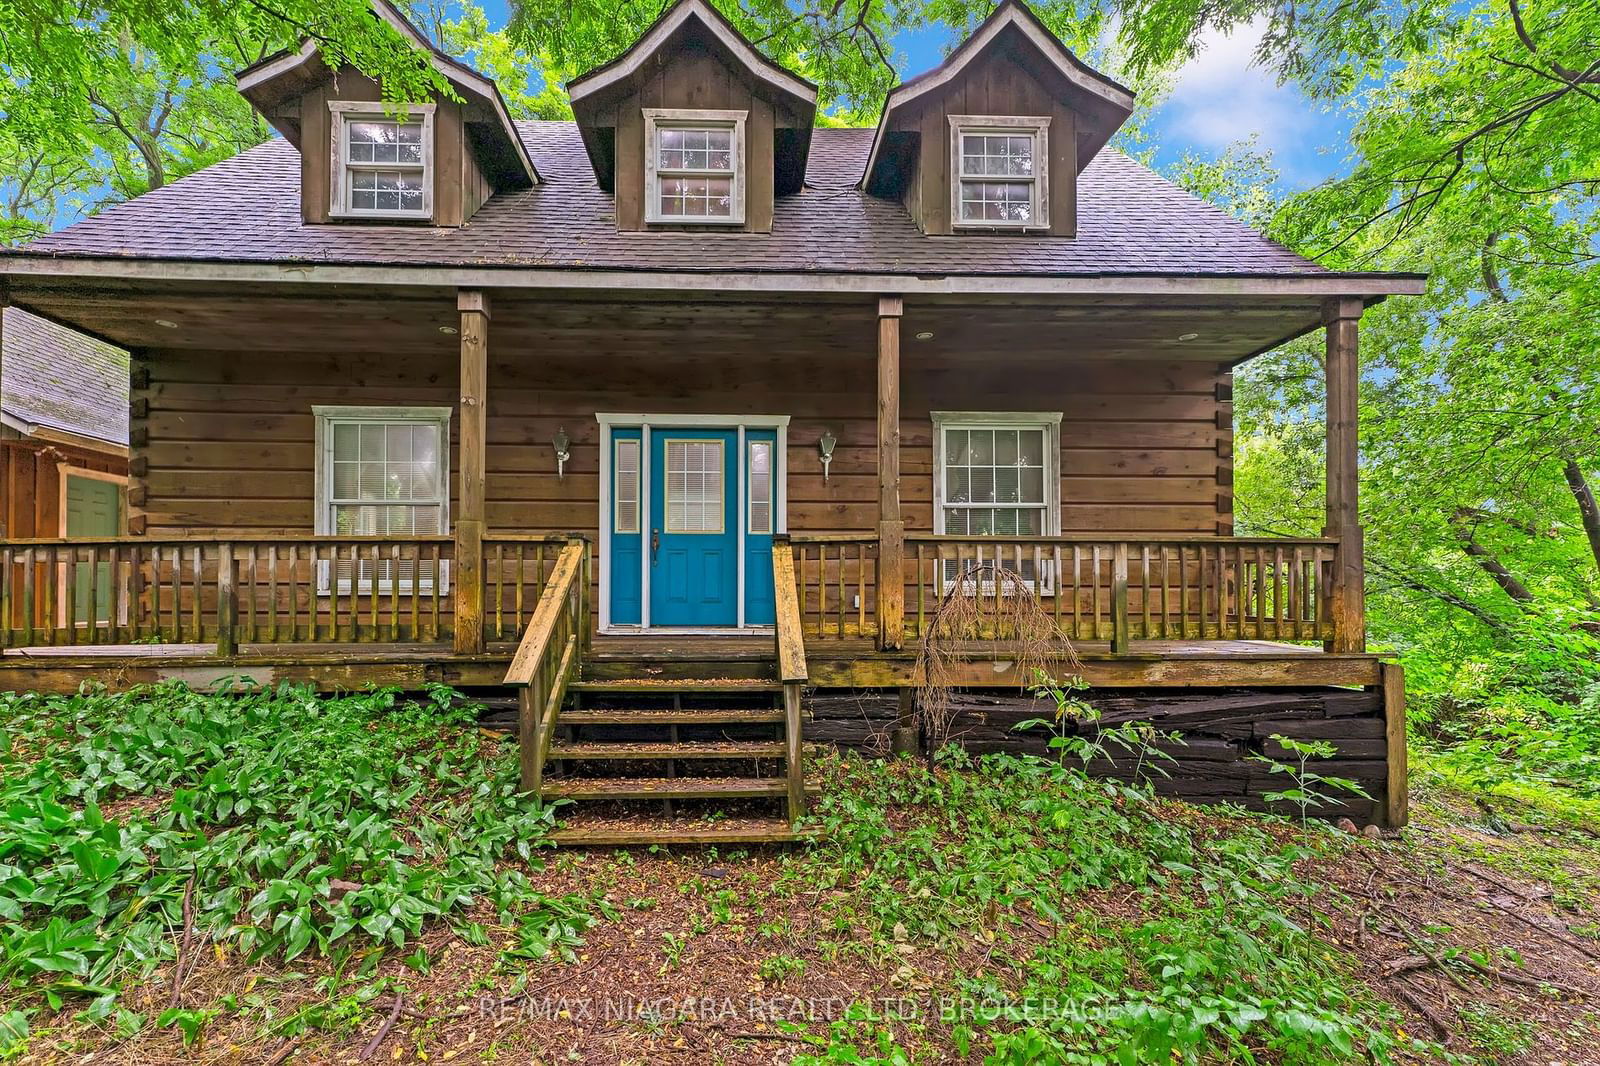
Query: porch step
[770,831]
[720,749]
[665,717]
[673,685]
[670,788]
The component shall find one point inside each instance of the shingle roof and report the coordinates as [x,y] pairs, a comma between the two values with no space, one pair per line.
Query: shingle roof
[59,378]
[247,209]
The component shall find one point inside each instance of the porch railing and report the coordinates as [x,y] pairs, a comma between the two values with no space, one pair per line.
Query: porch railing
[548,658]
[1094,588]
[516,570]
[835,583]
[269,590]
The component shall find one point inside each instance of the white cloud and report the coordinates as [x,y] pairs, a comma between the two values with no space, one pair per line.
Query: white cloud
[1220,97]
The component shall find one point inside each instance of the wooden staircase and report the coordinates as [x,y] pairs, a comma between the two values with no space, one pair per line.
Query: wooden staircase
[638,753]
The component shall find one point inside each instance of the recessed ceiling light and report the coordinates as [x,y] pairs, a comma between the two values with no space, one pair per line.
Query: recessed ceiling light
[1187,336]
[448,331]
[165,323]
[925,335]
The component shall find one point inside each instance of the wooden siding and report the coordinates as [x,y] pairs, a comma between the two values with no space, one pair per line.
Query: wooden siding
[30,480]
[997,84]
[460,186]
[225,444]
[691,75]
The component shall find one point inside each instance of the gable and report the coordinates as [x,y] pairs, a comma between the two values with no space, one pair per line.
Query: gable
[476,148]
[1011,67]
[693,59]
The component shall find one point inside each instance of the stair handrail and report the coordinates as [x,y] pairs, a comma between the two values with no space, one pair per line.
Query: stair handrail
[792,669]
[548,658]
[790,636]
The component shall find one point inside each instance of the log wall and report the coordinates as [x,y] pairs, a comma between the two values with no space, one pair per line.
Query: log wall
[223,443]
[1222,730]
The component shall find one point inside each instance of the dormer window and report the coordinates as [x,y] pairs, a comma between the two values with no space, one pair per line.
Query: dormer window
[382,162]
[999,164]
[694,166]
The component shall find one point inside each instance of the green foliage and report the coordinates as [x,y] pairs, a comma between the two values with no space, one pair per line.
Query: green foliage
[1208,964]
[1310,790]
[1076,731]
[1475,158]
[296,823]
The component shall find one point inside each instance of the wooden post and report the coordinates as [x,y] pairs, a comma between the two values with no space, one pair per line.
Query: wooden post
[793,752]
[529,727]
[1343,372]
[1119,598]
[474,307]
[227,602]
[1397,796]
[891,526]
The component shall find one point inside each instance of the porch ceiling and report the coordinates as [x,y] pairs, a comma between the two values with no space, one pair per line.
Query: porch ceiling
[335,318]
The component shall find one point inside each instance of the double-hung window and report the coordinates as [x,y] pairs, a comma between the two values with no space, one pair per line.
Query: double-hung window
[694,166]
[382,161]
[999,168]
[997,474]
[383,471]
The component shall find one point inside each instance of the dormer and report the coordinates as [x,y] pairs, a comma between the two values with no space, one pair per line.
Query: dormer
[692,128]
[425,162]
[993,139]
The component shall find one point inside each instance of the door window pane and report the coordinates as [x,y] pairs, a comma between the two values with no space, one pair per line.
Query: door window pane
[761,486]
[694,474]
[627,487]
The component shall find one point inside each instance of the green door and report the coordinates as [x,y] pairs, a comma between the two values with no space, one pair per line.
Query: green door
[94,509]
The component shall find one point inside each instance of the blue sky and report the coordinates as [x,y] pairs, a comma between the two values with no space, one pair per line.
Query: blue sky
[1218,98]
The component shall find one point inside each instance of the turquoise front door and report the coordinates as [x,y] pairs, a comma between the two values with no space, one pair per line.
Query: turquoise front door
[693,539]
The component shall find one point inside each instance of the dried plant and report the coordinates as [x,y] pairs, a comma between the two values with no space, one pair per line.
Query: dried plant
[988,612]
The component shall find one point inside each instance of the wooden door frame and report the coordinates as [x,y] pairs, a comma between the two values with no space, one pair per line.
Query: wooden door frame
[610,421]
[64,469]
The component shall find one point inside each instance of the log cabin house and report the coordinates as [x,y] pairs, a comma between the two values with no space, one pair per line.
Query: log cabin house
[682,418]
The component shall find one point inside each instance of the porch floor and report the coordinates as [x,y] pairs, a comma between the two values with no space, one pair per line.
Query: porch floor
[833,663]
[663,647]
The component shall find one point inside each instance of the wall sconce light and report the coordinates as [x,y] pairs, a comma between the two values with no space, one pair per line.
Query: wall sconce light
[825,449]
[563,446]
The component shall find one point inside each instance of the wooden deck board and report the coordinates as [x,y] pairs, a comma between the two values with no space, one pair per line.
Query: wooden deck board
[604,751]
[713,788]
[848,663]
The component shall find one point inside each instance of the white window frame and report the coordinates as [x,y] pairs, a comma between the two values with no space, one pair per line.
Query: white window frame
[1002,125]
[658,118]
[342,113]
[329,416]
[1049,422]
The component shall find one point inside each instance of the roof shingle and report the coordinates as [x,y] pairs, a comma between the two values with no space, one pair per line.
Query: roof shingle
[247,209]
[59,378]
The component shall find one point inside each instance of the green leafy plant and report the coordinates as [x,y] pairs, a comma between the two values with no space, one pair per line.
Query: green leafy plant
[1075,730]
[1310,790]
[292,823]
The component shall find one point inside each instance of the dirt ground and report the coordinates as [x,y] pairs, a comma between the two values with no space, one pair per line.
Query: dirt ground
[713,957]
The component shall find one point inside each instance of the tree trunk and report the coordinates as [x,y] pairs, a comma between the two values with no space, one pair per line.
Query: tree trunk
[1587,508]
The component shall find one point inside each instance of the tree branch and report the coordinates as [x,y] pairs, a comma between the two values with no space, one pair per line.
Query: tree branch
[1485,558]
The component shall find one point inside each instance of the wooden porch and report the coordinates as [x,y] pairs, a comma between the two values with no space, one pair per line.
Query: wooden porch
[343,611]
